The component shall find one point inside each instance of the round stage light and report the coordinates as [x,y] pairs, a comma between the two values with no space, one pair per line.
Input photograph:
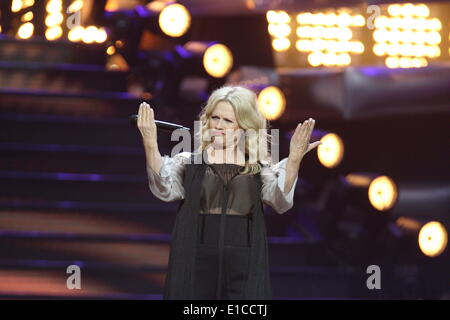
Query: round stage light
[53,33]
[89,34]
[271,102]
[174,20]
[76,34]
[433,239]
[331,151]
[382,193]
[25,31]
[218,60]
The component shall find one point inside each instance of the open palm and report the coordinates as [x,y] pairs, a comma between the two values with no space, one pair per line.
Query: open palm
[300,145]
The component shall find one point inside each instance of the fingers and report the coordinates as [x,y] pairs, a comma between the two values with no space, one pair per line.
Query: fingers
[313,145]
[311,124]
[145,115]
[140,113]
[306,128]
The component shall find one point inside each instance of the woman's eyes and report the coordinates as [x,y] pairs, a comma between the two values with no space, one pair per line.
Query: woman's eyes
[216,117]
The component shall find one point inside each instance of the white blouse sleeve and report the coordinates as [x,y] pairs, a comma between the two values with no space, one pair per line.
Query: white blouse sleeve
[273,179]
[167,185]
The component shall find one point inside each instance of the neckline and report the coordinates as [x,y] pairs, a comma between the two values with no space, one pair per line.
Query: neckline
[225,163]
[233,164]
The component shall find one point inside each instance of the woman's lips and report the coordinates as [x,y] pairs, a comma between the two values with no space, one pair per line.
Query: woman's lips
[218,133]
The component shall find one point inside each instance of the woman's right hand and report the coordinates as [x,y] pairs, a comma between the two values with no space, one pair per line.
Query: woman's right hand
[146,125]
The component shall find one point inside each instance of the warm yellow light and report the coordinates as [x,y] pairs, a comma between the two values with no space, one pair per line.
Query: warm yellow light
[302,45]
[433,38]
[330,59]
[53,33]
[343,59]
[174,20]
[279,30]
[331,151]
[405,63]
[305,18]
[358,180]
[54,6]
[382,193]
[379,49]
[89,34]
[381,22]
[358,21]
[114,5]
[344,19]
[27,17]
[25,31]
[218,60]
[76,34]
[281,44]
[320,19]
[394,10]
[54,19]
[408,10]
[433,239]
[75,6]
[283,17]
[315,59]
[435,24]
[356,47]
[271,16]
[101,35]
[16,5]
[433,52]
[111,50]
[278,17]
[271,102]
[392,62]
[329,19]
[157,5]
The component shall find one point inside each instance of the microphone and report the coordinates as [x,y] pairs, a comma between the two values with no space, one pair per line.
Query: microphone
[162,125]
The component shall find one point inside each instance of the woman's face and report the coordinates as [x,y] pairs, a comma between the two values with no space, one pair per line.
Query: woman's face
[223,125]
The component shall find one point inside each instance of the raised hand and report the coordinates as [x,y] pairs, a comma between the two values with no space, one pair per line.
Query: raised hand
[300,145]
[147,126]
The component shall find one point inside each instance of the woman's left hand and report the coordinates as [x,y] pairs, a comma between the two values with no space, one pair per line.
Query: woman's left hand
[300,145]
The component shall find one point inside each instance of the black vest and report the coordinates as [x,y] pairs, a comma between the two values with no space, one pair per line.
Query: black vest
[180,277]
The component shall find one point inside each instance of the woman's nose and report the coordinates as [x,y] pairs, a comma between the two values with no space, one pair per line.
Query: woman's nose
[219,125]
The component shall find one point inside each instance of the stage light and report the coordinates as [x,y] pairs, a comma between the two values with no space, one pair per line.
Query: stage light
[174,20]
[53,33]
[326,37]
[406,34]
[27,17]
[215,58]
[16,6]
[382,193]
[218,60]
[75,6]
[25,31]
[111,50]
[271,102]
[278,27]
[54,6]
[281,44]
[331,151]
[75,34]
[54,19]
[433,239]
[89,34]
[101,35]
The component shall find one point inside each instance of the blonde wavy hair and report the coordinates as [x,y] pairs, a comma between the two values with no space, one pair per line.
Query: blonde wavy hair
[249,119]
